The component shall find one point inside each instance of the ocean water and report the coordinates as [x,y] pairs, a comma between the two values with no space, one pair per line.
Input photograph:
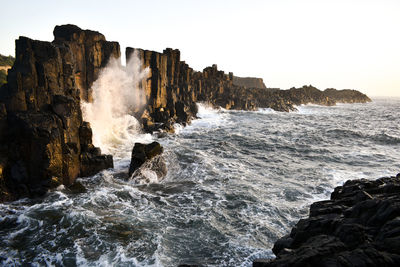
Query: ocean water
[236,182]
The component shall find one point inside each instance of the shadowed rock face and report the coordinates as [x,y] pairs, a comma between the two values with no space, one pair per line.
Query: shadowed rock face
[142,153]
[359,226]
[169,92]
[91,52]
[149,156]
[44,141]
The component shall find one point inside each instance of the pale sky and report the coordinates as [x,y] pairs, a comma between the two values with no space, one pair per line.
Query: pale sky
[339,43]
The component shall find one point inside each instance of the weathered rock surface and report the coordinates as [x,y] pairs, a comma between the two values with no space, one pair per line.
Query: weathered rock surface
[91,52]
[43,140]
[169,92]
[358,226]
[148,155]
[249,82]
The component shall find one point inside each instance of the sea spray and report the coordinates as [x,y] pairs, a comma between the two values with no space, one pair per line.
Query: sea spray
[116,95]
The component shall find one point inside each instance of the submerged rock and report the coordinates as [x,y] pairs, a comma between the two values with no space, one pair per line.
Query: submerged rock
[145,159]
[77,188]
[359,226]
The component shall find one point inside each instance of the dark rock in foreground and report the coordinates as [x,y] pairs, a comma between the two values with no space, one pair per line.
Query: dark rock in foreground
[359,226]
[149,156]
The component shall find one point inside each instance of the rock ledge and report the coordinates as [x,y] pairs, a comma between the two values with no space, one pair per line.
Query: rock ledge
[358,226]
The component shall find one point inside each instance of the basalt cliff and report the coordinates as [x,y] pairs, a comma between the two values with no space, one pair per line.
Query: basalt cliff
[44,141]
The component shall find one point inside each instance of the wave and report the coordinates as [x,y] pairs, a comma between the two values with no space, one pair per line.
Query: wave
[208,118]
[379,138]
[266,111]
[386,139]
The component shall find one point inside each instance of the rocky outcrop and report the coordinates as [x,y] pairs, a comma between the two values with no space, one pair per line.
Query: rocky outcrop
[43,140]
[249,82]
[346,96]
[358,226]
[150,156]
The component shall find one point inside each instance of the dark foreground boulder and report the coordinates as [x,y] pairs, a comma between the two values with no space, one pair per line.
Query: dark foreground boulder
[359,226]
[147,157]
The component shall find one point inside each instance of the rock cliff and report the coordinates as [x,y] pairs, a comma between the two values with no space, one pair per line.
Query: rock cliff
[358,226]
[168,89]
[43,140]
[249,82]
[90,52]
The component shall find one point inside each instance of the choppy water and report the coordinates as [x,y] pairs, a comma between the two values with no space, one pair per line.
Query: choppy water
[236,182]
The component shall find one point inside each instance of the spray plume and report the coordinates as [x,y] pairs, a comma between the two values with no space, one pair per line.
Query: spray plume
[116,94]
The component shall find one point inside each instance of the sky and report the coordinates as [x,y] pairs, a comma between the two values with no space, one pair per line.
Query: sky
[343,44]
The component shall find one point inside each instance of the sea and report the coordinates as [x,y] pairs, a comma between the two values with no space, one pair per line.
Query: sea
[236,182]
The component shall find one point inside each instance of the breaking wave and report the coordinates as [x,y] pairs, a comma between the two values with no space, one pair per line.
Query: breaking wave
[116,96]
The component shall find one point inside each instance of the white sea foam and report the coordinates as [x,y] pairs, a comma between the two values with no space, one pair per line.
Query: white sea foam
[206,111]
[304,109]
[208,118]
[265,111]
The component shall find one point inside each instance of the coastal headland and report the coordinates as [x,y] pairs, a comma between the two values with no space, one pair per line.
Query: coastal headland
[44,141]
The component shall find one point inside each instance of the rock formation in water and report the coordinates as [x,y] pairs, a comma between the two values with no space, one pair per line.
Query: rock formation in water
[43,140]
[249,82]
[150,156]
[358,226]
